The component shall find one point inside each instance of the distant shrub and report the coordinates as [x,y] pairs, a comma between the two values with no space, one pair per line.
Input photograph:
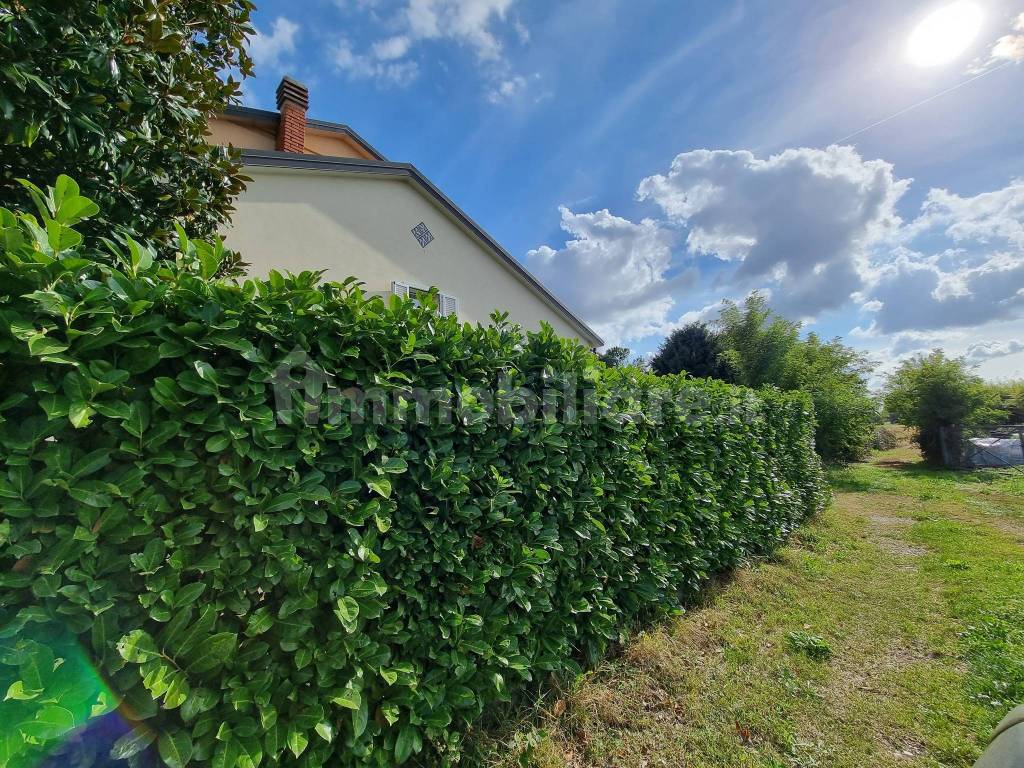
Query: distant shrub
[615,357]
[886,438]
[934,393]
[227,500]
[1008,398]
[762,347]
[694,349]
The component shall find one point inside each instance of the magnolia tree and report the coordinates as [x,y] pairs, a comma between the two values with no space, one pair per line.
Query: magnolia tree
[117,95]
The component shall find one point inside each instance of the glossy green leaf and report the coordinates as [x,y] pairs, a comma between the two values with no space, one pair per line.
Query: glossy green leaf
[80,413]
[380,485]
[347,611]
[226,753]
[406,743]
[175,749]
[297,742]
[349,698]
[211,653]
[18,692]
[137,647]
[45,345]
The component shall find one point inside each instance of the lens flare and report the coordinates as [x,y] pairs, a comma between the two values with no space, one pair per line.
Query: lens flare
[57,706]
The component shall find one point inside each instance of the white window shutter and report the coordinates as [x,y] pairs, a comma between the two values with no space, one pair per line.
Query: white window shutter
[448,305]
[400,289]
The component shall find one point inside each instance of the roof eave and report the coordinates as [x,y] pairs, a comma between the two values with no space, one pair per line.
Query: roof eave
[251,113]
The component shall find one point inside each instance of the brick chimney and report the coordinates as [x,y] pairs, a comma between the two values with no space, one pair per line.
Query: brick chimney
[292,102]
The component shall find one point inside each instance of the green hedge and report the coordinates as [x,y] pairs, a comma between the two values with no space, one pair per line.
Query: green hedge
[263,586]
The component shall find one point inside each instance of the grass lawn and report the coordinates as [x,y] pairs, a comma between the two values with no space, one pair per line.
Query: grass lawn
[889,633]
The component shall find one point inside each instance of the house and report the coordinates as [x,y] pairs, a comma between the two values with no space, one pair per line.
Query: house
[321,197]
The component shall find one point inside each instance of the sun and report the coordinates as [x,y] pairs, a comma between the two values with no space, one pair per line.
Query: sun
[944,34]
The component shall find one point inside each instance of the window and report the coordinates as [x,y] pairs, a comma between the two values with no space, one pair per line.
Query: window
[446,305]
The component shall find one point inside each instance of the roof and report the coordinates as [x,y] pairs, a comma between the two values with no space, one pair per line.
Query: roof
[264,115]
[409,173]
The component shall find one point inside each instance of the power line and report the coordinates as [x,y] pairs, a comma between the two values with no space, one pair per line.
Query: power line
[922,102]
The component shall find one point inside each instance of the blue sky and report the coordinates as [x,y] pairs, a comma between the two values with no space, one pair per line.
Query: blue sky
[648,159]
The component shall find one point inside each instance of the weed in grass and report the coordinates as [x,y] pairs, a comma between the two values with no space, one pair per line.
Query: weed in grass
[795,686]
[995,650]
[812,646]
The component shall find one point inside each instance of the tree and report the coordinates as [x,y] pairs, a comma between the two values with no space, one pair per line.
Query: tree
[933,392]
[764,348]
[614,357]
[694,349]
[835,376]
[756,341]
[117,94]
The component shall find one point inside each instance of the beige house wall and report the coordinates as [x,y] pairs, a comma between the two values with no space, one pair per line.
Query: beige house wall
[360,225]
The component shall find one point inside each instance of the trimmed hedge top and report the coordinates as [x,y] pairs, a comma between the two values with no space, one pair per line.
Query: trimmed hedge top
[260,575]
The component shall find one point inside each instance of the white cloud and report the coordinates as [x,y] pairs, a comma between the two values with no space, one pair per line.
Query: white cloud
[987,350]
[706,314]
[269,50]
[512,87]
[362,67]
[521,31]
[1007,49]
[985,217]
[506,89]
[616,273]
[994,348]
[917,293]
[391,48]
[914,342]
[468,21]
[471,23]
[816,230]
[977,279]
[800,222]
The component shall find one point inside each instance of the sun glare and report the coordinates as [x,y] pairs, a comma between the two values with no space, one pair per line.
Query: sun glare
[944,34]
